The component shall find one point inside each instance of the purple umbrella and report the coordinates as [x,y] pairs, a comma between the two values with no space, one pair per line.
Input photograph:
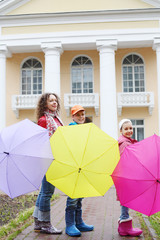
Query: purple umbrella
[25,155]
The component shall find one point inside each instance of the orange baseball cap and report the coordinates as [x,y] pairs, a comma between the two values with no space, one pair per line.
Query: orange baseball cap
[76,109]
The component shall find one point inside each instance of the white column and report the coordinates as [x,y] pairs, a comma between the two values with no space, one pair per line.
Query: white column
[3,52]
[156,46]
[108,106]
[52,52]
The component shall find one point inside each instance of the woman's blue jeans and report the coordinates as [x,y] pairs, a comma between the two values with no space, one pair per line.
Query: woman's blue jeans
[42,209]
[44,197]
[124,213]
[73,212]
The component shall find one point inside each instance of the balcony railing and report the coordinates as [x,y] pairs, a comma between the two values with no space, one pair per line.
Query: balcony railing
[20,102]
[136,99]
[87,100]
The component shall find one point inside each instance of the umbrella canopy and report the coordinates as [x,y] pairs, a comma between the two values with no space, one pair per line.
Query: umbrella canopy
[25,155]
[85,157]
[137,176]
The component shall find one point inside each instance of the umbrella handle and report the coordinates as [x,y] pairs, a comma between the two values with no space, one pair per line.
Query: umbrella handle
[6,153]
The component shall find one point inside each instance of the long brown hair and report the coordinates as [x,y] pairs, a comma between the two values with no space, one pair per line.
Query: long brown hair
[42,104]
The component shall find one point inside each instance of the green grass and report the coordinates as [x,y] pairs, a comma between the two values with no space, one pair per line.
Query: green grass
[17,225]
[155,223]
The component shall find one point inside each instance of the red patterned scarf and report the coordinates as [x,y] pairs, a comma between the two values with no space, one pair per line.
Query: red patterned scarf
[51,123]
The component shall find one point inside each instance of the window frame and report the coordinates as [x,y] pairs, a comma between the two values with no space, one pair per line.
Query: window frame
[21,68]
[77,56]
[133,73]
[138,126]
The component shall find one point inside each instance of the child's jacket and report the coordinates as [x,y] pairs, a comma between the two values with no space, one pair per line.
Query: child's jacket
[124,142]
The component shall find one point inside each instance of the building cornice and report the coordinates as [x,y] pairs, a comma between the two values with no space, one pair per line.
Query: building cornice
[80,17]
[155,3]
[9,5]
[81,40]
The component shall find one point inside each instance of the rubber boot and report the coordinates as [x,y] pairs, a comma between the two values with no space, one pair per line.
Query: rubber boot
[83,227]
[37,225]
[125,228]
[46,227]
[71,229]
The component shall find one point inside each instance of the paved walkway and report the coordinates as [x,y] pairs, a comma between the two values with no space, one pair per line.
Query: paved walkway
[102,212]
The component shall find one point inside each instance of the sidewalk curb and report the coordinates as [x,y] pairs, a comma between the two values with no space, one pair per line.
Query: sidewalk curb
[150,229]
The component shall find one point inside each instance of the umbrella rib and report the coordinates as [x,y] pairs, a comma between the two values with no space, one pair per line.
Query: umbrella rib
[68,147]
[88,181]
[3,159]
[22,173]
[65,175]
[158,159]
[92,184]
[27,140]
[154,197]
[141,192]
[145,167]
[94,172]
[100,155]
[64,164]
[86,145]
[75,184]
[7,180]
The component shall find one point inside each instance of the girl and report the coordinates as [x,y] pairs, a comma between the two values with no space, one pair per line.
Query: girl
[47,116]
[125,221]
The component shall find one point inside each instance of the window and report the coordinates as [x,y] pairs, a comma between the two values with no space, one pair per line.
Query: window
[31,77]
[133,74]
[82,75]
[138,129]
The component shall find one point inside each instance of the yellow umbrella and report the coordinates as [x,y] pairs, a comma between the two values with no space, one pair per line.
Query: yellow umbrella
[85,157]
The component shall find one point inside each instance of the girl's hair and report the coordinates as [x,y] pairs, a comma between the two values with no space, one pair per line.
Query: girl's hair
[42,104]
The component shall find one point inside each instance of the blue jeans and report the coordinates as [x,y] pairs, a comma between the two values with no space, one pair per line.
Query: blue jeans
[124,213]
[42,209]
[73,212]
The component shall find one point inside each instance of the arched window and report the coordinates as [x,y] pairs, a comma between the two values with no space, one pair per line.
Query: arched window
[82,75]
[31,77]
[133,74]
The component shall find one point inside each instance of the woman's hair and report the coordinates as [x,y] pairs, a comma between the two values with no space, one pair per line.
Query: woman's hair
[42,104]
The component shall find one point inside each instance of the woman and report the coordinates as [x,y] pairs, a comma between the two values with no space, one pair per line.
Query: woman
[47,116]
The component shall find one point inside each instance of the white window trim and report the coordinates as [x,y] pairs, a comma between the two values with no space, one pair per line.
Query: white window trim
[24,60]
[80,55]
[135,53]
[140,125]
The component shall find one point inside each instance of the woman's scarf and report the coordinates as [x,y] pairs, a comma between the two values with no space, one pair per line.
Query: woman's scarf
[50,122]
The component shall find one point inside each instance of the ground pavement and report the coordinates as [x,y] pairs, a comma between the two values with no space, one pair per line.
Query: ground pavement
[102,212]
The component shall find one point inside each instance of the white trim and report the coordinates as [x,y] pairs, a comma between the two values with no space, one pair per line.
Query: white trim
[27,58]
[80,55]
[23,61]
[80,17]
[81,40]
[9,5]
[155,3]
[135,53]
[142,126]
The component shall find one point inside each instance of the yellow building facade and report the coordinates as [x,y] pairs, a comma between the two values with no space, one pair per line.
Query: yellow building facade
[104,55]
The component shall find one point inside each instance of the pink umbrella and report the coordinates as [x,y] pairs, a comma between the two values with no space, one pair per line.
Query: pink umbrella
[137,176]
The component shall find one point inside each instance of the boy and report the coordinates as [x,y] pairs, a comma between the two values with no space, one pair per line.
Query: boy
[73,212]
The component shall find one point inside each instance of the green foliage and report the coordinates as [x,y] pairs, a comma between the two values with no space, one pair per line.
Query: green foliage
[155,222]
[24,218]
